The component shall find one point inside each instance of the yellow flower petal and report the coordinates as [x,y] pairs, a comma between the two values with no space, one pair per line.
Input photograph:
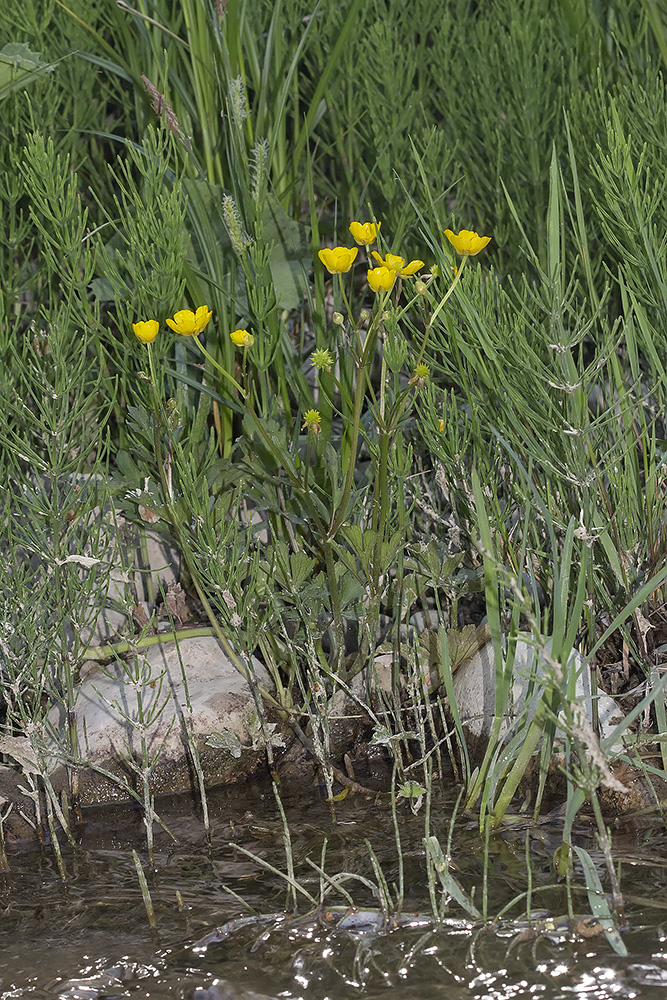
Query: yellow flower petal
[381,279]
[467,242]
[183,322]
[392,261]
[398,265]
[364,232]
[202,316]
[411,268]
[146,330]
[338,260]
[188,323]
[242,338]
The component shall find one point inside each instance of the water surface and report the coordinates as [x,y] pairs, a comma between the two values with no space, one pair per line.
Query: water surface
[88,937]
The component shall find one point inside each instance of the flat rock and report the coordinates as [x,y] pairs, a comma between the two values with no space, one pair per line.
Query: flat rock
[156,707]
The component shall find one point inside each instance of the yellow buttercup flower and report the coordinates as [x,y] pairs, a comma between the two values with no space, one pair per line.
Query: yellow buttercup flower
[242,338]
[365,232]
[381,279]
[466,242]
[188,323]
[338,260]
[146,330]
[397,264]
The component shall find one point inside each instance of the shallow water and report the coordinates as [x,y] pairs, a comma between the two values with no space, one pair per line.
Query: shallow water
[88,937]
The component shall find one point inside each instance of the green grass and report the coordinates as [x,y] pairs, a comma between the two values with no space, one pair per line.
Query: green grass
[524,471]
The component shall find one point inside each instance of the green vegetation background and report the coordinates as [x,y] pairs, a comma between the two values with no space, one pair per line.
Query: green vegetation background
[163,156]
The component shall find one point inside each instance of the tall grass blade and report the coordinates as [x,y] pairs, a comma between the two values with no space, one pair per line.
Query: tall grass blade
[599,904]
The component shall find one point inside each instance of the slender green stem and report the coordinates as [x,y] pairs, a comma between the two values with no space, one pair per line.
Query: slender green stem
[114,649]
[369,345]
[382,502]
[338,516]
[145,892]
[307,462]
[275,451]
[218,366]
[439,307]
[145,773]
[348,308]
[187,555]
[327,549]
[157,428]
[383,387]
[212,617]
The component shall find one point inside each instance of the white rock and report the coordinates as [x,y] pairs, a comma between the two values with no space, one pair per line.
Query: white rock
[109,718]
[127,580]
[474,685]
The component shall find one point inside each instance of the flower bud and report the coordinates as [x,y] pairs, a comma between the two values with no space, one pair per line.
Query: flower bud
[420,376]
[322,359]
[312,421]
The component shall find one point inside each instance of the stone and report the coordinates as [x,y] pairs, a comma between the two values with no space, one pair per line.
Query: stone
[474,684]
[135,578]
[348,720]
[112,699]
[252,517]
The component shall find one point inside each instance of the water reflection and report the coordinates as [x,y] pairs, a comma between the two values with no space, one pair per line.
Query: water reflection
[88,938]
